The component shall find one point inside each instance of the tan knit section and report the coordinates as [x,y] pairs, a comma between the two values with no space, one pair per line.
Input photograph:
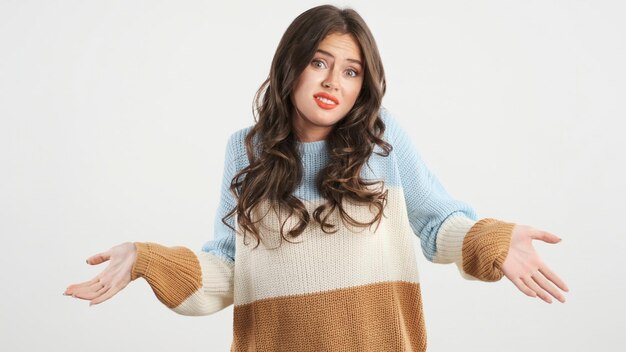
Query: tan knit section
[174,273]
[377,317]
[485,247]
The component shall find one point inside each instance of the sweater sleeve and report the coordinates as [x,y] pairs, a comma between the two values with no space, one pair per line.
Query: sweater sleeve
[449,230]
[188,283]
[197,283]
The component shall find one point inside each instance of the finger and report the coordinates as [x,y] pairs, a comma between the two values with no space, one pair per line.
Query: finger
[546,236]
[99,258]
[530,282]
[90,292]
[547,286]
[108,294]
[553,277]
[522,287]
[74,287]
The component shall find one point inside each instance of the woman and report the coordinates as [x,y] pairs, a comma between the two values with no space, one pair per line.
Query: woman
[322,164]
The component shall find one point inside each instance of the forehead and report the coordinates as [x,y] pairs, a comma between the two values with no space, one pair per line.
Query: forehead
[341,44]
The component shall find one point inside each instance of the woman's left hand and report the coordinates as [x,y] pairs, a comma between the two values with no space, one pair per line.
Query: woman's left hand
[526,270]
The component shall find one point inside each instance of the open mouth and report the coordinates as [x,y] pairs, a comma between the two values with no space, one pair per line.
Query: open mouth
[326,101]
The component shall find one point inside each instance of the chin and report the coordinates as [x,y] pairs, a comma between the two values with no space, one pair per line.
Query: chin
[326,122]
[328,118]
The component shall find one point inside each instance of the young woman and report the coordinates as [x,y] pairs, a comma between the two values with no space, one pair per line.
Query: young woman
[327,170]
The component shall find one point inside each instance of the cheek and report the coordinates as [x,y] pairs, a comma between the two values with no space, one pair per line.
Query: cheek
[353,90]
[308,78]
[299,89]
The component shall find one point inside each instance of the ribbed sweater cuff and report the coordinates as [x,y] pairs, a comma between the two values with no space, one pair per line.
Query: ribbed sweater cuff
[485,248]
[174,273]
[143,260]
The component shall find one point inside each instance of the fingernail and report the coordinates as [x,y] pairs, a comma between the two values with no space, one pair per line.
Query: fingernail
[87,261]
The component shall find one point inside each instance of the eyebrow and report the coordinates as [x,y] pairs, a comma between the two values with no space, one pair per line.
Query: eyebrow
[331,55]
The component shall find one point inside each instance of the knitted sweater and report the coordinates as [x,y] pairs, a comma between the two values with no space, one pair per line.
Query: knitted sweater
[354,290]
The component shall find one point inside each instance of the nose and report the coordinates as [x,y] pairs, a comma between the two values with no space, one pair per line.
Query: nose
[331,80]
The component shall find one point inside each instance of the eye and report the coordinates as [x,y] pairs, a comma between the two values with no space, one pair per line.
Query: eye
[318,63]
[352,73]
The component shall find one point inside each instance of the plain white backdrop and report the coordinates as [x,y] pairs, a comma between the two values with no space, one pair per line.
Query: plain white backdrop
[114,116]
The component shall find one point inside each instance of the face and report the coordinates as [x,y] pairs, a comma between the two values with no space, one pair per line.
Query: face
[328,87]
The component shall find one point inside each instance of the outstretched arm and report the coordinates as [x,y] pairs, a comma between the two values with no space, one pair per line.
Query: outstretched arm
[188,283]
[450,231]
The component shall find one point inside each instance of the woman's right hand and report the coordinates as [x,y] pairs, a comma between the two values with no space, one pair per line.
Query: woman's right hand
[112,279]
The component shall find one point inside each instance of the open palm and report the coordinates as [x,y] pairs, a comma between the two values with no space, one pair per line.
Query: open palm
[526,270]
[112,279]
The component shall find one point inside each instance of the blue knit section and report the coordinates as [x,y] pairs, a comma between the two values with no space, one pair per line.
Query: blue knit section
[315,156]
[428,204]
[235,159]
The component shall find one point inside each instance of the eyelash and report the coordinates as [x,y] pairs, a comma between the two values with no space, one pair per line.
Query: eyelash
[315,61]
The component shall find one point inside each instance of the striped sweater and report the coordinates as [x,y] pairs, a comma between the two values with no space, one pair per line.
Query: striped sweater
[355,290]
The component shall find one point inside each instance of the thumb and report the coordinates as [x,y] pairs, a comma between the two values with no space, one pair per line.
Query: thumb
[98,258]
[547,237]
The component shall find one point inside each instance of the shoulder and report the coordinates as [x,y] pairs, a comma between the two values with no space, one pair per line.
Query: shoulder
[236,145]
[239,136]
[387,116]
[394,132]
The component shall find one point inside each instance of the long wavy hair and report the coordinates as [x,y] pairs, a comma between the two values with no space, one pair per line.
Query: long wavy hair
[275,168]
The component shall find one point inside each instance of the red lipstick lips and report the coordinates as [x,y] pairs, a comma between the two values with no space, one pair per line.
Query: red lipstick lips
[326,105]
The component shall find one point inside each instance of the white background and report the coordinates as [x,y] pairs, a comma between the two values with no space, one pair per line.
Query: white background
[114,117]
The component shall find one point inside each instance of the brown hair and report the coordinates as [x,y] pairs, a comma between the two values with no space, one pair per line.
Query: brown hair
[275,171]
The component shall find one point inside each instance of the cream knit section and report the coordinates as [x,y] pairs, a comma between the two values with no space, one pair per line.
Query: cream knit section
[216,292]
[450,242]
[321,262]
[450,239]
